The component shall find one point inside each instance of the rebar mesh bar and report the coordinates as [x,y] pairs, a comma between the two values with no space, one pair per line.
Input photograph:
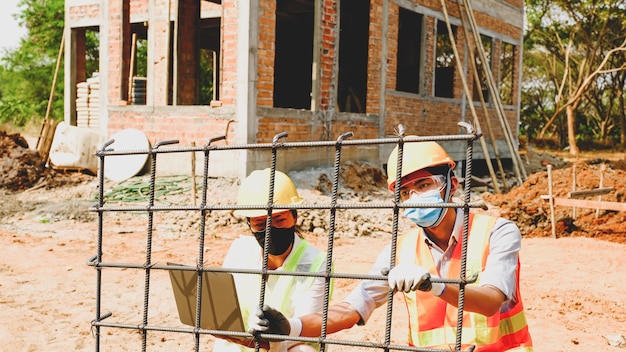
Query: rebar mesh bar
[144,327]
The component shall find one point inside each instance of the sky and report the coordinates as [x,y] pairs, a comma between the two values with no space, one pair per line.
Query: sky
[11,30]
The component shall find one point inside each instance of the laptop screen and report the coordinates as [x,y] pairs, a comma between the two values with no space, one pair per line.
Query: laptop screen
[219,306]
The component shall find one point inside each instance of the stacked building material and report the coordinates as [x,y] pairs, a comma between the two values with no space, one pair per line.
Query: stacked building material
[88,103]
[82,104]
[139,91]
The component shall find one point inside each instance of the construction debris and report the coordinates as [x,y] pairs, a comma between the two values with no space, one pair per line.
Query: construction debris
[22,168]
[525,206]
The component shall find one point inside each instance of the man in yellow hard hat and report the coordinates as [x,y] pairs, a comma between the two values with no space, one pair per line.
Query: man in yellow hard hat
[493,316]
[287,250]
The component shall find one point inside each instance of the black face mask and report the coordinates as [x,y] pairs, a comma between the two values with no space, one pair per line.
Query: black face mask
[280,239]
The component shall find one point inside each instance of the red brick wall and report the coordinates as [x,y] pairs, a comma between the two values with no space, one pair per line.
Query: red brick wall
[298,129]
[329,19]
[515,3]
[425,115]
[228,74]
[80,13]
[420,114]
[496,25]
[139,7]
[374,65]
[392,47]
[118,50]
[266,54]
[160,41]
[168,124]
[303,127]
[429,53]
[361,129]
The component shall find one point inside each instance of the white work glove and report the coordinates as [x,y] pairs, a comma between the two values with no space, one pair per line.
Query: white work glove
[272,321]
[411,277]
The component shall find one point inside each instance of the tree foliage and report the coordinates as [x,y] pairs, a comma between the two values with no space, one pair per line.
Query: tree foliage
[26,73]
[573,70]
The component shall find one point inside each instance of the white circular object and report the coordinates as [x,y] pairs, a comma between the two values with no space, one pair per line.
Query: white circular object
[121,167]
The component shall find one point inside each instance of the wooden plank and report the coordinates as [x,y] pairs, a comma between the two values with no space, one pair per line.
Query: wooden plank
[44,146]
[551,199]
[590,192]
[591,204]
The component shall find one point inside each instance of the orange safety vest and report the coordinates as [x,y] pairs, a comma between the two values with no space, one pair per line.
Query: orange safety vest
[433,322]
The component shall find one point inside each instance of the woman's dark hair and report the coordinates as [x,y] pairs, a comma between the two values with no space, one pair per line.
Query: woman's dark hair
[297,230]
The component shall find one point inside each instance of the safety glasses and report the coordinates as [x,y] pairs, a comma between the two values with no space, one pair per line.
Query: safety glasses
[422,185]
[284,219]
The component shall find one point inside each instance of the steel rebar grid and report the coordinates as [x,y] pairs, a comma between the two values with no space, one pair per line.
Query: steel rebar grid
[203,208]
[200,261]
[462,273]
[394,232]
[331,238]
[97,259]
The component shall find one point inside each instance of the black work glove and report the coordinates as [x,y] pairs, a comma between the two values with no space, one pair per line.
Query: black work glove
[269,321]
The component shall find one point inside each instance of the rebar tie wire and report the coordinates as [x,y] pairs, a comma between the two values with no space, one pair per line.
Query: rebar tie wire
[97,262]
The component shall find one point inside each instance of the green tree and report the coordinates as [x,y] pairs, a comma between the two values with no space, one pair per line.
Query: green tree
[580,43]
[26,73]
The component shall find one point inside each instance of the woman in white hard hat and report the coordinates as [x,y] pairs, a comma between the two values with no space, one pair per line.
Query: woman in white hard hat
[287,250]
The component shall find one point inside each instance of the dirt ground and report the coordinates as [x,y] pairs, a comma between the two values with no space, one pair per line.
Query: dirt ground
[572,285]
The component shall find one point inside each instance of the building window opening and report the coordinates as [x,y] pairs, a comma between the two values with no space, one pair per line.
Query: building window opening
[482,83]
[444,62]
[409,55]
[92,51]
[209,60]
[353,55]
[139,64]
[507,64]
[293,54]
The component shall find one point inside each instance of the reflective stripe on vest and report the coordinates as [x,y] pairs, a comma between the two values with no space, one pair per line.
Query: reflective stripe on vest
[281,287]
[284,286]
[433,322]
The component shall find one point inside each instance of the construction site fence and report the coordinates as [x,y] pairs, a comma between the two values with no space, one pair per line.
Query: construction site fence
[106,320]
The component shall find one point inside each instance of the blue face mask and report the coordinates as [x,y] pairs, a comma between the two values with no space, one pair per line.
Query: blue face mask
[425,217]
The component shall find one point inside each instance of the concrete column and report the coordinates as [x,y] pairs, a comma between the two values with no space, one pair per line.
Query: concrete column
[118,48]
[247,47]
[103,117]
[69,79]
[317,57]
[158,52]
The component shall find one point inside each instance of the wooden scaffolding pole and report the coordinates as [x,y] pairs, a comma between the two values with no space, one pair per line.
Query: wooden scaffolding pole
[131,70]
[459,65]
[474,67]
[48,127]
[520,171]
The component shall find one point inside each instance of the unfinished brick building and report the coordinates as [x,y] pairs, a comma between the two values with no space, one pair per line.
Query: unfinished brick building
[314,69]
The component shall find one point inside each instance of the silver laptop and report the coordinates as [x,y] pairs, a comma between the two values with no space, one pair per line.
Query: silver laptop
[219,308]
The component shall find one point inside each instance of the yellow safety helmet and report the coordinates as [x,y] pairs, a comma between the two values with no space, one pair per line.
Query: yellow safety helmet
[254,190]
[416,156]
